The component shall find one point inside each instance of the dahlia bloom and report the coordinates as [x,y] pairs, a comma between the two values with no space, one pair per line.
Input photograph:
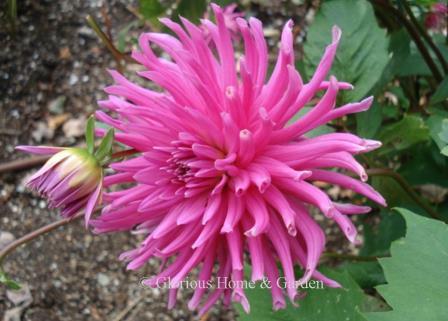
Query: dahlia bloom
[436,18]
[221,172]
[71,179]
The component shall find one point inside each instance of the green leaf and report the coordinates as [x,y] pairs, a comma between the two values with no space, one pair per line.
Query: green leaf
[378,237]
[105,148]
[366,274]
[412,64]
[368,122]
[416,273]
[407,59]
[223,3]
[90,134]
[444,151]
[394,194]
[400,49]
[10,283]
[121,46]
[441,93]
[403,134]
[443,135]
[191,9]
[374,304]
[324,129]
[318,304]
[151,9]
[301,68]
[426,2]
[424,165]
[440,41]
[434,123]
[362,54]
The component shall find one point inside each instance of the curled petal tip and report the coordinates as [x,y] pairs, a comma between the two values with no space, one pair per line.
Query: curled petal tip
[192,306]
[367,102]
[241,22]
[245,134]
[230,92]
[364,177]
[264,186]
[302,175]
[306,276]
[203,21]
[251,233]
[336,33]
[333,80]
[351,234]
[370,144]
[217,10]
[330,212]
[369,99]
[279,305]
[296,297]
[112,72]
[226,229]
[165,20]
[86,223]
[292,230]
[243,301]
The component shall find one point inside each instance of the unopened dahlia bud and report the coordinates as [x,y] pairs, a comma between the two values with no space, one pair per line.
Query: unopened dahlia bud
[72,178]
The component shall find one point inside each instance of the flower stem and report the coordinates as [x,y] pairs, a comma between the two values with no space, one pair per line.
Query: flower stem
[22,164]
[124,153]
[12,10]
[36,233]
[117,54]
[415,37]
[425,36]
[407,187]
[34,161]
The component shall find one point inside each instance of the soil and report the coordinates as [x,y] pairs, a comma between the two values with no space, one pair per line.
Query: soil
[52,71]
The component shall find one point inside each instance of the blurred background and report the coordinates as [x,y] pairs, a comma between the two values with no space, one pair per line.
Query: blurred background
[53,61]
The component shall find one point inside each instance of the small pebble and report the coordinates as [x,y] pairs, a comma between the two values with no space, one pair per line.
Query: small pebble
[103,279]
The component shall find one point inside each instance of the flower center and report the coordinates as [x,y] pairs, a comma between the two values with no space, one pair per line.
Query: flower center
[180,170]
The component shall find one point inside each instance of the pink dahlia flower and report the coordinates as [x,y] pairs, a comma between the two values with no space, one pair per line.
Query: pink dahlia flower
[222,172]
[436,18]
[71,179]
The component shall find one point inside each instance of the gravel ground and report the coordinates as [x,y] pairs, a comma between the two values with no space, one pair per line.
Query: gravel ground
[52,72]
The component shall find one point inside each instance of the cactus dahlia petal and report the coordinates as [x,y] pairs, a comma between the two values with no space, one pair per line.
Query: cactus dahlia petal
[71,179]
[230,16]
[221,171]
